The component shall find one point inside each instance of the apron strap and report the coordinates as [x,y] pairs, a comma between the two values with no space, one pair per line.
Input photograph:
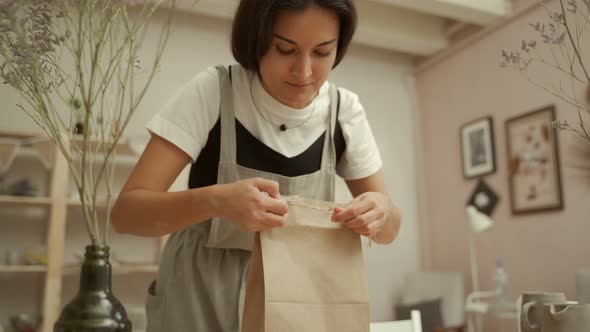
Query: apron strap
[227,151]
[329,150]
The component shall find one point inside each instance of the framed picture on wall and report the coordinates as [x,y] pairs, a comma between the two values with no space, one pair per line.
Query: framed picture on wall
[477,147]
[534,173]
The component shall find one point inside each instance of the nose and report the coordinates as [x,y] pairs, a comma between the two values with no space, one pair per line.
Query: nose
[301,68]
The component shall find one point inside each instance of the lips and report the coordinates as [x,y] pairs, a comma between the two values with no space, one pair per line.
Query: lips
[299,85]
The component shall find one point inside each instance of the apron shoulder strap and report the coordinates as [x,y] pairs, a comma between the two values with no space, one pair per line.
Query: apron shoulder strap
[227,152]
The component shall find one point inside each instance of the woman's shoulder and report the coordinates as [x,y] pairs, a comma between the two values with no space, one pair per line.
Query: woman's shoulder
[349,105]
[347,96]
[200,89]
[188,116]
[203,78]
[205,82]
[209,77]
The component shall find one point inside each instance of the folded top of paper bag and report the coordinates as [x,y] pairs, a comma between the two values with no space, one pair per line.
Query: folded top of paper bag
[310,213]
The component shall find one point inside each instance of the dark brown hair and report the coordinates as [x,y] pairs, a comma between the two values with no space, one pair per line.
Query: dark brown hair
[252,30]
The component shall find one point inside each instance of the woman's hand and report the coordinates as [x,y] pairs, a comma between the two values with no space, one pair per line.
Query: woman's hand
[252,204]
[366,214]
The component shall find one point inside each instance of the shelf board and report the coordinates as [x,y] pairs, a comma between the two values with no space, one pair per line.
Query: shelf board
[130,268]
[24,201]
[118,268]
[22,268]
[76,204]
[27,152]
[119,160]
[94,144]
[19,134]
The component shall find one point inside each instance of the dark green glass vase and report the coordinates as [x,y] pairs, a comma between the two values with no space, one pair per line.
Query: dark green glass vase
[95,308]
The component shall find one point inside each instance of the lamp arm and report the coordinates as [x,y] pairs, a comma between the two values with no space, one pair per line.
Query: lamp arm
[473,261]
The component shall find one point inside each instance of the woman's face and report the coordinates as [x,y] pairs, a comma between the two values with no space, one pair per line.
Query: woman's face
[301,54]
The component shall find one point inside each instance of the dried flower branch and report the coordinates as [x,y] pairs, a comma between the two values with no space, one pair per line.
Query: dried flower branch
[75,65]
[563,37]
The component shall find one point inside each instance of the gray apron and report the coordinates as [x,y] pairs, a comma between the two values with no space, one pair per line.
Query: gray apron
[202,275]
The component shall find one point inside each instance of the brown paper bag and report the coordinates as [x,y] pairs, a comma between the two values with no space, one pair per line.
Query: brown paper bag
[307,276]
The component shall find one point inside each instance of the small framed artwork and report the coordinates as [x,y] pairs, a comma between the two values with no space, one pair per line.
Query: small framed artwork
[534,173]
[477,147]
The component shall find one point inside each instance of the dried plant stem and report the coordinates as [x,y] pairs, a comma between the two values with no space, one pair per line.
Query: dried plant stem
[34,36]
[573,43]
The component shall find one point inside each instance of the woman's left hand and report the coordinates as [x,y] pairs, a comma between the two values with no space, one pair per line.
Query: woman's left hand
[366,214]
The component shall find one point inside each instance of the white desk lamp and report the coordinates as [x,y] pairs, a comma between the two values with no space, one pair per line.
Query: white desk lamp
[478,223]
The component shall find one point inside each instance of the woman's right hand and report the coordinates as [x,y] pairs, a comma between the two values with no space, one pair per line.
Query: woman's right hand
[252,204]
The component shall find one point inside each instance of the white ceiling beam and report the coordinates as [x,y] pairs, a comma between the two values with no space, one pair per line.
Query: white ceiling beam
[381,26]
[224,9]
[399,29]
[480,12]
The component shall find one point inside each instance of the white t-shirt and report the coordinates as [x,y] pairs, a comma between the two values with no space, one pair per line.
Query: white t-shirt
[191,113]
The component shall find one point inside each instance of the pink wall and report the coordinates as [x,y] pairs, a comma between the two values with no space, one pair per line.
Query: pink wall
[540,251]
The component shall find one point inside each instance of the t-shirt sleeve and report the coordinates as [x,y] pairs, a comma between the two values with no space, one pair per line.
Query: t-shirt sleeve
[361,157]
[189,115]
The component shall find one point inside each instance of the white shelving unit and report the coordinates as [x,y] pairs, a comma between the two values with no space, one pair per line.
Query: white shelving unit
[22,268]
[57,206]
[17,201]
[118,269]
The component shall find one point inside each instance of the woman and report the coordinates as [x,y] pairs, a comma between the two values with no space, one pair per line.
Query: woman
[271,125]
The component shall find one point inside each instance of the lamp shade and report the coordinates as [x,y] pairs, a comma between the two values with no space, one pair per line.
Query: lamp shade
[479,222]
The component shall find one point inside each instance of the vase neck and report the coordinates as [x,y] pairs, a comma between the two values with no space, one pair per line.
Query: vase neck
[96,269]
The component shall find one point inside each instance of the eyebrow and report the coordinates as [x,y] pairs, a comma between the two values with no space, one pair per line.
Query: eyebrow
[294,43]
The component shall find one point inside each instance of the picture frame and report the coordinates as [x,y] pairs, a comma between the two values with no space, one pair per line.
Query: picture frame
[534,172]
[478,151]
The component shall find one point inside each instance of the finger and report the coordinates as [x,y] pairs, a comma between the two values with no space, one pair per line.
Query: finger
[337,210]
[268,186]
[263,222]
[268,221]
[275,206]
[371,229]
[375,227]
[354,209]
[364,219]
[272,220]
[364,231]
